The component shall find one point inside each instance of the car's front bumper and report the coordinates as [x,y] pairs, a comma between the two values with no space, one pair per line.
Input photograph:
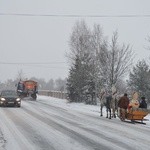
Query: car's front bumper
[9,103]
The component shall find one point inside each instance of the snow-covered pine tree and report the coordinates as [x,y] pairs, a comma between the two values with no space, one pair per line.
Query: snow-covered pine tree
[139,79]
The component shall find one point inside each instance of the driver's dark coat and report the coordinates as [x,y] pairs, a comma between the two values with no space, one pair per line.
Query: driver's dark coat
[123,102]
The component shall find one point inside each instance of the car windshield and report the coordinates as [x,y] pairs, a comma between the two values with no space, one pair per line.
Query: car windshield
[20,86]
[8,93]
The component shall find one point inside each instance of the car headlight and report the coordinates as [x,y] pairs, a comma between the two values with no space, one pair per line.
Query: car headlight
[18,99]
[2,99]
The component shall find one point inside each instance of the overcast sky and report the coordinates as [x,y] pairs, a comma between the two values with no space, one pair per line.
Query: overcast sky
[44,39]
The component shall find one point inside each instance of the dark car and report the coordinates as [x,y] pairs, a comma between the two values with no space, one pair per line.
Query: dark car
[9,97]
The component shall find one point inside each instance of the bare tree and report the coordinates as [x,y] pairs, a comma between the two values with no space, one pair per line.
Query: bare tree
[79,41]
[119,60]
[112,61]
[20,75]
[99,46]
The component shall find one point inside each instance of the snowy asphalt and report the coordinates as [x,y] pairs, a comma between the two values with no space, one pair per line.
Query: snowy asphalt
[54,124]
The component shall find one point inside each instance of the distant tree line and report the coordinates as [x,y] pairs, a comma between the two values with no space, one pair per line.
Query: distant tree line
[97,63]
[56,85]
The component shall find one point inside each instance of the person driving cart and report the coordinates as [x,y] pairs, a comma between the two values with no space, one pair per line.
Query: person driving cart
[123,105]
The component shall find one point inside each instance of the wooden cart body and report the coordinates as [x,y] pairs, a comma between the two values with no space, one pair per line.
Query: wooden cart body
[136,114]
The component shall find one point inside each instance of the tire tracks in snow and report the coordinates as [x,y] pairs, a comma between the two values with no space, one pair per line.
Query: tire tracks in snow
[132,134]
[101,135]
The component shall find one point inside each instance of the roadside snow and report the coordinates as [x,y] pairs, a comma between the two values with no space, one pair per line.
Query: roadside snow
[2,141]
[81,107]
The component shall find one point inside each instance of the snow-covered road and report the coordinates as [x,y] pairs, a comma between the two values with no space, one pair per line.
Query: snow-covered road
[54,124]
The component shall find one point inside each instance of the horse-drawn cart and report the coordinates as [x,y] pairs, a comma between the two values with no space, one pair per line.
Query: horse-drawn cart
[136,115]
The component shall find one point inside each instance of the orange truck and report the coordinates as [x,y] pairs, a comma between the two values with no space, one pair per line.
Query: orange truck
[27,88]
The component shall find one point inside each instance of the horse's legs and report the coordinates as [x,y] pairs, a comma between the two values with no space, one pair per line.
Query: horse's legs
[113,110]
[108,110]
[101,110]
[114,115]
[109,113]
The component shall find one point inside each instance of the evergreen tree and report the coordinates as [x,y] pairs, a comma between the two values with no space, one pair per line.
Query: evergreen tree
[139,79]
[82,63]
[75,82]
